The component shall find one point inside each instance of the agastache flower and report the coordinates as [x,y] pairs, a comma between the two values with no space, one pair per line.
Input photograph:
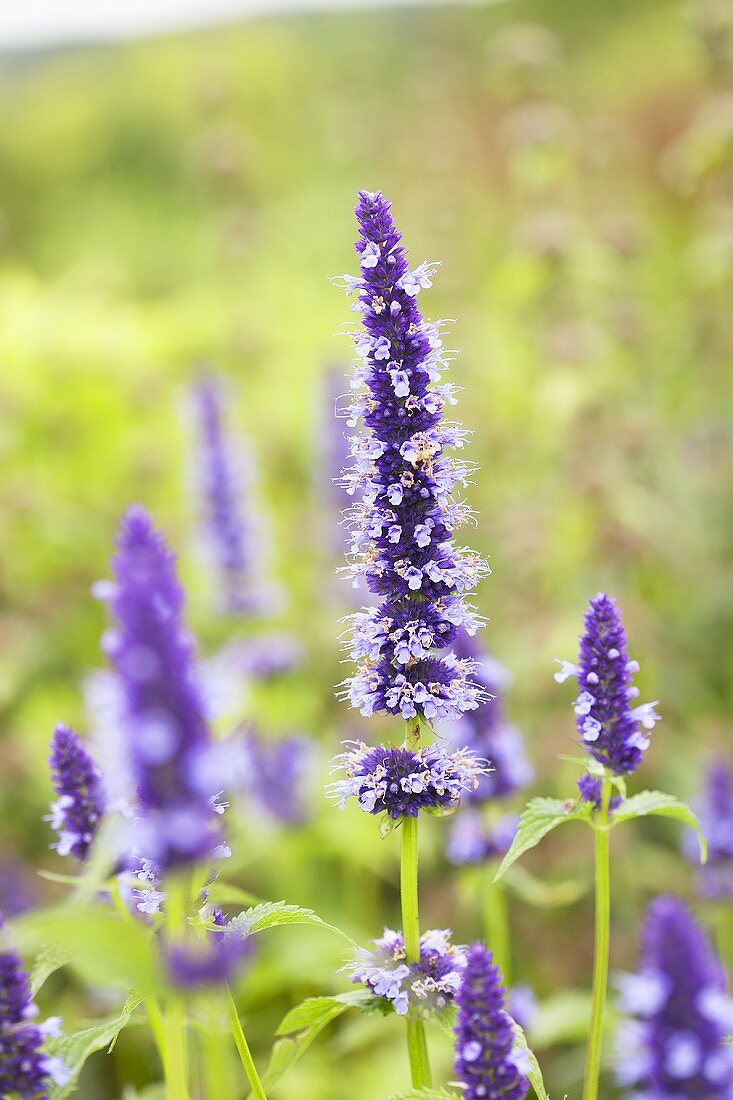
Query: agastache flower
[676,1047]
[78,809]
[715,811]
[25,1070]
[225,477]
[421,987]
[166,734]
[278,774]
[402,781]
[489,1065]
[613,730]
[406,512]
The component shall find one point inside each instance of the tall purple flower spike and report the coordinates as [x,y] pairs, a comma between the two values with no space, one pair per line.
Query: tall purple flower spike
[80,802]
[676,1047]
[488,1063]
[25,1070]
[612,730]
[225,476]
[715,811]
[406,515]
[167,736]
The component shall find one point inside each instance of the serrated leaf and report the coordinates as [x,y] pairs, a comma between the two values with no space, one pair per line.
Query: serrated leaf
[540,817]
[534,1073]
[47,961]
[544,895]
[74,1050]
[659,804]
[103,948]
[303,1024]
[271,914]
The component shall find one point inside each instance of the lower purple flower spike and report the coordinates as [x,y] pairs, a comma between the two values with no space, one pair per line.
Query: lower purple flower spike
[488,1064]
[676,1047]
[25,1071]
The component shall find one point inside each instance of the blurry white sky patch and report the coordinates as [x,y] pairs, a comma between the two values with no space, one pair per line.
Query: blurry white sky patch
[32,24]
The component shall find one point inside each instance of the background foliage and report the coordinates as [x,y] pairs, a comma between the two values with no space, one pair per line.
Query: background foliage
[185,199]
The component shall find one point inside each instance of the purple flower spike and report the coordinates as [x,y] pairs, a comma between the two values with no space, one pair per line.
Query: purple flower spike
[401,782]
[225,476]
[423,987]
[473,840]
[78,809]
[715,811]
[676,1047]
[488,1063]
[25,1071]
[406,514]
[613,731]
[167,737]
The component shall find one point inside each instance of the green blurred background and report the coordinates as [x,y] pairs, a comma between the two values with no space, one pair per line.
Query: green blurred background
[186,198]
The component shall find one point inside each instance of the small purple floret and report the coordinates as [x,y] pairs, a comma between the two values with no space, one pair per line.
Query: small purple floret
[715,811]
[80,802]
[488,1063]
[590,789]
[474,840]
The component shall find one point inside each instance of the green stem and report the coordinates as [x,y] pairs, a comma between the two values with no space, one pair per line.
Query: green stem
[496,924]
[417,1047]
[244,1052]
[174,1021]
[602,944]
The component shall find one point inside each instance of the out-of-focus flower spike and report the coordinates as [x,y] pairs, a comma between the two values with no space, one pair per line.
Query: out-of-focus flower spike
[80,802]
[488,1063]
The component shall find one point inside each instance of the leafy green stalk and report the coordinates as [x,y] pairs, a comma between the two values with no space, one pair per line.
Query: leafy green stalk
[496,925]
[175,1034]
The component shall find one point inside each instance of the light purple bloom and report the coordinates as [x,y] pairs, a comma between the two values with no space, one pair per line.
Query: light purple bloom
[80,802]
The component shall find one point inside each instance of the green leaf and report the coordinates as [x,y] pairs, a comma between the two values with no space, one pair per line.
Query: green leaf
[544,895]
[75,1049]
[102,947]
[270,914]
[541,816]
[48,960]
[658,804]
[303,1024]
[534,1072]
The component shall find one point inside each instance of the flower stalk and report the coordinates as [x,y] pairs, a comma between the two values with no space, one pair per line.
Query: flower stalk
[602,944]
[417,1047]
[245,1055]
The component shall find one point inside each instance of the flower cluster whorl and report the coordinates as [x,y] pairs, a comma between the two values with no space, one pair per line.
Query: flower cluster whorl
[402,528]
[425,986]
[676,1047]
